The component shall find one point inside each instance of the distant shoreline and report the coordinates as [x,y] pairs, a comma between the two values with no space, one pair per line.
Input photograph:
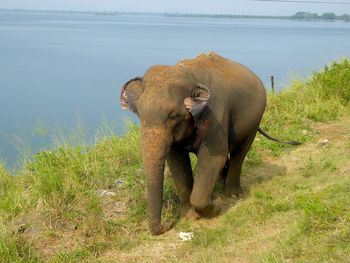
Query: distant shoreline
[227,16]
[297,17]
[257,17]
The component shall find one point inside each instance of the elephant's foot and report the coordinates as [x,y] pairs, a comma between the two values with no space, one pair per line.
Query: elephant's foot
[233,191]
[213,209]
[216,207]
[192,214]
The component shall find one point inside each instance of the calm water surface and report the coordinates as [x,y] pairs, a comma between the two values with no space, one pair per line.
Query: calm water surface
[64,68]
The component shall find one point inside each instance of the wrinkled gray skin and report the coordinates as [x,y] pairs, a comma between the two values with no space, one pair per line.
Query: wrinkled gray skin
[208,105]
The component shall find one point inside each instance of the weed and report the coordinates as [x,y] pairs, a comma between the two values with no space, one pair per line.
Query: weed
[13,248]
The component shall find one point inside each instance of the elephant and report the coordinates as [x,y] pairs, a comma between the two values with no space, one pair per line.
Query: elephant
[210,106]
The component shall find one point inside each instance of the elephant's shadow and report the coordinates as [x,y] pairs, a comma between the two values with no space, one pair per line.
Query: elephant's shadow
[251,177]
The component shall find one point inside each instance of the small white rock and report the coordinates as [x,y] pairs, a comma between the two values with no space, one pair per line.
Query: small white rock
[101,193]
[118,183]
[186,236]
[304,132]
[323,143]
[305,120]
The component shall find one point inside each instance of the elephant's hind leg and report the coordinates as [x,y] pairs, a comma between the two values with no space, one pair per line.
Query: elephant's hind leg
[233,179]
[224,172]
[180,167]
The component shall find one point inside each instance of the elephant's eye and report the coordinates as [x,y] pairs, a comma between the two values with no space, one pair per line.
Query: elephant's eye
[172,115]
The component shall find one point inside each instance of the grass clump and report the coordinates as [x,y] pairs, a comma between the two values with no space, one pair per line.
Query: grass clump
[13,248]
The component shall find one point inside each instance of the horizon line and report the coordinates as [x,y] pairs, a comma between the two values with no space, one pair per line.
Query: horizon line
[154,12]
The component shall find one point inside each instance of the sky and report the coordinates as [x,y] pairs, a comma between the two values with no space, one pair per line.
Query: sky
[237,7]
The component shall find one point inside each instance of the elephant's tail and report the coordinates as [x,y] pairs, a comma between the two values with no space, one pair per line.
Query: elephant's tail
[276,140]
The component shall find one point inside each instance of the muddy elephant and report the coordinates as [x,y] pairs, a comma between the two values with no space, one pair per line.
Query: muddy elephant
[208,105]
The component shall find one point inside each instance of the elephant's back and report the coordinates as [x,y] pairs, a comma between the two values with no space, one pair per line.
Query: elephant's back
[238,95]
[222,73]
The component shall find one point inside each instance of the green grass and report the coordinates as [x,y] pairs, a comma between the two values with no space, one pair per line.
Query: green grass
[51,210]
[321,98]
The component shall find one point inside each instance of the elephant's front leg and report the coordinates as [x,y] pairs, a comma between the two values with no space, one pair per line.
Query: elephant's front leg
[208,170]
[180,167]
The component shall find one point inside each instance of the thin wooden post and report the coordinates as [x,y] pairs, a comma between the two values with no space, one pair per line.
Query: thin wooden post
[272,85]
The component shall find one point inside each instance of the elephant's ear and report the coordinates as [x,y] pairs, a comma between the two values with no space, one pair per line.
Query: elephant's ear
[197,102]
[130,93]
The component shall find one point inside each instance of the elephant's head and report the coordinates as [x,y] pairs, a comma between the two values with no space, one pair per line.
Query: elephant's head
[167,101]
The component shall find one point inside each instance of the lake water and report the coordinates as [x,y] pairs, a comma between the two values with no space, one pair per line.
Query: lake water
[57,69]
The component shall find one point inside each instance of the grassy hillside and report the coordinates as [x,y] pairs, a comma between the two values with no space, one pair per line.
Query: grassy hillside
[79,203]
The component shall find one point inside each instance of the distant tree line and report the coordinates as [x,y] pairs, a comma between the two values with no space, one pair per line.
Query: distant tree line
[298,15]
[325,16]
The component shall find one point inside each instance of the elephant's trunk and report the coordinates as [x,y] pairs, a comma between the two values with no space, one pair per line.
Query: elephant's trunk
[155,145]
